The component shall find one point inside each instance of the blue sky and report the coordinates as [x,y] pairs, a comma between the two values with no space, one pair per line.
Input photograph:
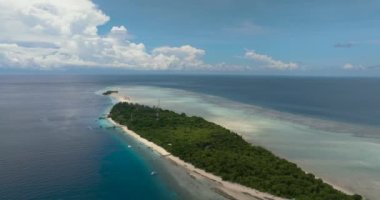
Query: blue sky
[244,36]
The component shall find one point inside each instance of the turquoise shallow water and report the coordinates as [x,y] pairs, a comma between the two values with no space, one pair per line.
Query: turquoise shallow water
[337,154]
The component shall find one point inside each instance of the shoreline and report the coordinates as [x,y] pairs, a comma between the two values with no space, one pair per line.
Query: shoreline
[234,190]
[225,188]
[228,189]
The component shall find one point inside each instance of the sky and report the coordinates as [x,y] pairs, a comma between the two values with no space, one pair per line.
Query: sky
[271,37]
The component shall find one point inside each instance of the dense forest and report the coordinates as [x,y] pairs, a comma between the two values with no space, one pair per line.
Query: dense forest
[109,92]
[219,151]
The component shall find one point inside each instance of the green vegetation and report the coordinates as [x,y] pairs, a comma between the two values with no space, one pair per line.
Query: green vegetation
[217,150]
[108,92]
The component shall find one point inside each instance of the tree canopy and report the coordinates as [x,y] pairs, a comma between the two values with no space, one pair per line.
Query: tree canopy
[224,153]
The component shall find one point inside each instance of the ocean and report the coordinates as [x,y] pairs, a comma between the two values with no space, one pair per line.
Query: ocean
[53,145]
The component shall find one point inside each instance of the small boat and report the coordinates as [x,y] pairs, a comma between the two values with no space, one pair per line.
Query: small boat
[129,146]
[153,173]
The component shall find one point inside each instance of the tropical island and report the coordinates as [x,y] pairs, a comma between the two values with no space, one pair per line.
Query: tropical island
[109,92]
[223,153]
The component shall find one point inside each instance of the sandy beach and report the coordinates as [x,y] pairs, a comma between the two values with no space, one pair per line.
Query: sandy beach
[232,190]
[227,189]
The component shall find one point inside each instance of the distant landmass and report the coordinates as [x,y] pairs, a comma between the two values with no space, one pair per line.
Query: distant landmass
[109,92]
[223,153]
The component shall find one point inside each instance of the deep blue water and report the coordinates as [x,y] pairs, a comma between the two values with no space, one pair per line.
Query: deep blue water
[354,100]
[51,146]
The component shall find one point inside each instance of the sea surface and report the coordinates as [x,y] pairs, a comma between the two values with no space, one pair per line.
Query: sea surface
[54,146]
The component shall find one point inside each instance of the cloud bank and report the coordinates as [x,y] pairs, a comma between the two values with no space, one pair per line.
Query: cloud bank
[51,34]
[269,62]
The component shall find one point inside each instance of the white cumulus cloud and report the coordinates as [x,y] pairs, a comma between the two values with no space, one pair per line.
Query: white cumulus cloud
[269,62]
[181,56]
[349,66]
[52,33]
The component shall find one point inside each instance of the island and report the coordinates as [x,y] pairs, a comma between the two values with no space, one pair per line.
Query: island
[223,153]
[109,92]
